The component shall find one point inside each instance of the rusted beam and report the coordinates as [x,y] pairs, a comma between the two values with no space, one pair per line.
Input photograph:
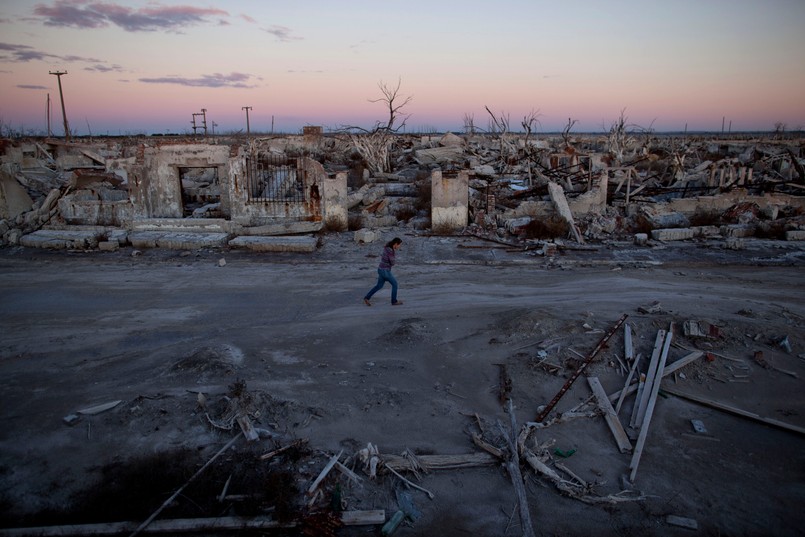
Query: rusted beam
[542,415]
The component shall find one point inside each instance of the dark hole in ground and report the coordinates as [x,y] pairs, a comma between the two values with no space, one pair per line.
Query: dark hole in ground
[133,489]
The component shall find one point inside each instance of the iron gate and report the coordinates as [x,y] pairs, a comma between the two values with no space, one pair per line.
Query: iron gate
[275,179]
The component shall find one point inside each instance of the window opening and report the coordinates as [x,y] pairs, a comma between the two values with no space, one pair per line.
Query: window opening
[201,192]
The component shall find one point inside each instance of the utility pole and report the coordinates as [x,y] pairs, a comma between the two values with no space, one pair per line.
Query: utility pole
[63,112]
[203,115]
[248,132]
[50,132]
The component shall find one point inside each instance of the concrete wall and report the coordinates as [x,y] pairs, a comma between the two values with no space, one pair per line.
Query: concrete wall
[103,208]
[449,201]
[155,186]
[689,206]
[335,202]
[592,201]
[256,214]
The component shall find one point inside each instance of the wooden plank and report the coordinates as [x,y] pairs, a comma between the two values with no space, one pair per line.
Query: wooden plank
[513,466]
[167,502]
[641,386]
[626,384]
[624,445]
[628,348]
[97,409]
[179,525]
[247,428]
[733,410]
[652,400]
[651,374]
[324,473]
[440,462]
[673,368]
[682,522]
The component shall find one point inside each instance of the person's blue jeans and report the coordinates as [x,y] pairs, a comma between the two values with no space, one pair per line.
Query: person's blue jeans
[383,276]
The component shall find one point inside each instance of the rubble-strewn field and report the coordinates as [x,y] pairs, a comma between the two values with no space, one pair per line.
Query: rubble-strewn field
[190,350]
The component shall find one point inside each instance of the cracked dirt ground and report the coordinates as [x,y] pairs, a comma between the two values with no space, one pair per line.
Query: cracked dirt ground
[155,330]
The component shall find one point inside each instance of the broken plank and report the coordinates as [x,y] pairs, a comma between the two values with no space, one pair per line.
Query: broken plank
[628,348]
[97,409]
[440,462]
[626,384]
[682,522]
[486,446]
[324,473]
[672,368]
[277,451]
[348,518]
[93,156]
[247,428]
[651,374]
[640,388]
[652,400]
[733,410]
[624,445]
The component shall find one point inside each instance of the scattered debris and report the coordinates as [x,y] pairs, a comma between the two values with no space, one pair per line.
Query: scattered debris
[682,522]
[97,409]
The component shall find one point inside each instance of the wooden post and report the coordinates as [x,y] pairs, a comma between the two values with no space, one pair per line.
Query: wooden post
[650,375]
[652,400]
[624,445]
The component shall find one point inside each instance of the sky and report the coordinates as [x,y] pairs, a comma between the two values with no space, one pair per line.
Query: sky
[145,67]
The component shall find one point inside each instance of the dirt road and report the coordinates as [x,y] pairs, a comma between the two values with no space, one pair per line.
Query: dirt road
[155,330]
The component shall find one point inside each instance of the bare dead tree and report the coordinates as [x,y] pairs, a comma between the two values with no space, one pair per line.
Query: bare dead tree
[566,131]
[375,145]
[618,138]
[394,102]
[529,123]
[469,123]
[499,125]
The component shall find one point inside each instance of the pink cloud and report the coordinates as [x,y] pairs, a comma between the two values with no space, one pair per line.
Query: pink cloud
[216,80]
[82,14]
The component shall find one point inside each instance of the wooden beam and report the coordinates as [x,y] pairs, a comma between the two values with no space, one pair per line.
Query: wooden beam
[324,473]
[440,462]
[733,410]
[628,348]
[513,466]
[624,445]
[652,400]
[182,525]
[673,368]
[167,502]
[641,386]
[651,374]
[626,384]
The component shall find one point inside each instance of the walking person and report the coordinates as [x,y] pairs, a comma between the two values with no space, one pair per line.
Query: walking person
[384,272]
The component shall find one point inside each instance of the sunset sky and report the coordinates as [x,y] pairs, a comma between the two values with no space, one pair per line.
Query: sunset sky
[146,67]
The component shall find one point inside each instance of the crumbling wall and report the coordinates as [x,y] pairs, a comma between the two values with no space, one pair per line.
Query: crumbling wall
[335,202]
[96,208]
[449,201]
[246,213]
[154,181]
[768,202]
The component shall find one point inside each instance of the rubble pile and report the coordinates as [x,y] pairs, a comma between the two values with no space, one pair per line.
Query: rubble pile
[589,187]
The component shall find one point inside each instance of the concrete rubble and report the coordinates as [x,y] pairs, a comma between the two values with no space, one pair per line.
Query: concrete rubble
[189,193]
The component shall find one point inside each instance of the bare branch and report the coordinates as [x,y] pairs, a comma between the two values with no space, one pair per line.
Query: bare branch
[395,103]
